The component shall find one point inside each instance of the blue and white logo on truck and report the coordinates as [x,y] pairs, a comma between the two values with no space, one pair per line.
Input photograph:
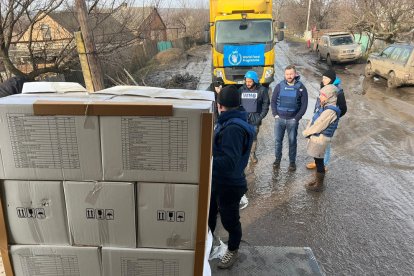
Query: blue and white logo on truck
[244,55]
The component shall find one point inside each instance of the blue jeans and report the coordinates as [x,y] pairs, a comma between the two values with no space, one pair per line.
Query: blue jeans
[291,126]
[327,155]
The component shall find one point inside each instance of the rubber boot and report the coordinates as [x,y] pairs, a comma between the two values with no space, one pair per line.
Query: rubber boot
[253,157]
[318,186]
[311,183]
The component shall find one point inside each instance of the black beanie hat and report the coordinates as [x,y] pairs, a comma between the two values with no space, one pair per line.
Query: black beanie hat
[330,74]
[229,96]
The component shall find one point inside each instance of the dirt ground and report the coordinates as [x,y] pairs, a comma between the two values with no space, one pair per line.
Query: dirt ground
[175,69]
[362,224]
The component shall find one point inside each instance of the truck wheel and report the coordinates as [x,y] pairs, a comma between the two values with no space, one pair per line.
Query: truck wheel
[328,60]
[368,70]
[392,80]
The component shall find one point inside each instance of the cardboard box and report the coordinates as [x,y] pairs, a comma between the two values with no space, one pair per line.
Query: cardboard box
[125,262]
[36,212]
[52,87]
[101,213]
[155,149]
[48,147]
[42,260]
[167,215]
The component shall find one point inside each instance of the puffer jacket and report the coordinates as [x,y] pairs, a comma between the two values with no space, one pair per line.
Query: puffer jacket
[317,144]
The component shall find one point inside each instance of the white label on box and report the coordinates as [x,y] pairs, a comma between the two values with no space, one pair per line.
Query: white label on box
[60,147]
[43,141]
[154,262]
[154,144]
[40,260]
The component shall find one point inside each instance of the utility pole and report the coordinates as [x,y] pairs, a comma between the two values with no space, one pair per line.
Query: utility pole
[94,65]
[307,21]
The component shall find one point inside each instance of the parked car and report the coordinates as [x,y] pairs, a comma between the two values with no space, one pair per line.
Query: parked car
[338,47]
[395,63]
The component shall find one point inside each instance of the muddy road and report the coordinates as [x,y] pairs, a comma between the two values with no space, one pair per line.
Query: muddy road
[363,223]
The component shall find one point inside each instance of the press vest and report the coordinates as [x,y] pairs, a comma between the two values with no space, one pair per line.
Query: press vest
[330,130]
[287,102]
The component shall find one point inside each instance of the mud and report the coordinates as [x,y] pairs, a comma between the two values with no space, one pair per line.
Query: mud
[363,223]
[176,69]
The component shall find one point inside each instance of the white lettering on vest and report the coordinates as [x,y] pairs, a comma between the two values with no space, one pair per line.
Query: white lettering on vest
[249,95]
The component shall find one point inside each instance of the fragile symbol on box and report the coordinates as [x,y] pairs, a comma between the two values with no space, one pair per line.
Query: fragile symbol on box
[101,214]
[170,216]
[23,212]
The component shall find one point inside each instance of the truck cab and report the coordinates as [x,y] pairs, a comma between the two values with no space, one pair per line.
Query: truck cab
[242,39]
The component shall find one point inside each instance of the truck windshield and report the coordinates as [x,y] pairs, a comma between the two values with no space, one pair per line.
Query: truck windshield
[342,40]
[252,31]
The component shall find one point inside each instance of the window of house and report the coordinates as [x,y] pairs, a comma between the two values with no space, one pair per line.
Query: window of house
[47,34]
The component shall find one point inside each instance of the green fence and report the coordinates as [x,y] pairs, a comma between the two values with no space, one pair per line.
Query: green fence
[164,45]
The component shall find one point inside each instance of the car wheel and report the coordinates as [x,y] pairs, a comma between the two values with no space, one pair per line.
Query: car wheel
[329,60]
[368,70]
[392,80]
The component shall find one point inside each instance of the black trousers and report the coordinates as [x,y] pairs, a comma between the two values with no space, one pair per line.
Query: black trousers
[226,201]
[320,166]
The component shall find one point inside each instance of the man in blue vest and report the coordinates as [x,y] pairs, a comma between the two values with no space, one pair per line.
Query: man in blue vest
[233,138]
[289,103]
[255,100]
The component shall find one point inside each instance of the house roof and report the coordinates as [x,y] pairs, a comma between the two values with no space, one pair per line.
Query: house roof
[103,25]
[134,16]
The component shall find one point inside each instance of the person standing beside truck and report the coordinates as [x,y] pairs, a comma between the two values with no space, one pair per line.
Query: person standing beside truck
[320,131]
[289,103]
[329,77]
[255,100]
[232,142]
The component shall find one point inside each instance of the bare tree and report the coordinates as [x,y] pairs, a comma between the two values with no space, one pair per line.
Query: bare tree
[388,20]
[26,42]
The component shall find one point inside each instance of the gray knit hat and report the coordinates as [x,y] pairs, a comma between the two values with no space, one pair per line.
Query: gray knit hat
[330,91]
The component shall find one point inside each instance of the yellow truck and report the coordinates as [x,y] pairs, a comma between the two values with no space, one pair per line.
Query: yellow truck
[242,39]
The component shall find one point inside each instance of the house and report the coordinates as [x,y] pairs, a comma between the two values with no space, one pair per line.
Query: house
[51,38]
[144,22]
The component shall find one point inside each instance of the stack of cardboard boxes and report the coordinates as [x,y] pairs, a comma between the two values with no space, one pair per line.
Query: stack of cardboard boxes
[88,194]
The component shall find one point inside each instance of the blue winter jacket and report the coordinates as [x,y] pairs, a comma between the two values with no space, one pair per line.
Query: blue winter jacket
[231,148]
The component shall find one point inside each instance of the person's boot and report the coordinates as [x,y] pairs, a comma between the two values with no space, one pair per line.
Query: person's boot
[311,165]
[311,183]
[292,167]
[276,164]
[228,259]
[253,157]
[318,186]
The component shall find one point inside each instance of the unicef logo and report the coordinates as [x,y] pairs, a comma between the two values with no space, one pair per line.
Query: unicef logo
[235,58]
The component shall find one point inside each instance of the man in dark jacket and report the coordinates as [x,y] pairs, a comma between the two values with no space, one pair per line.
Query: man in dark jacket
[329,77]
[255,100]
[289,103]
[12,86]
[233,138]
